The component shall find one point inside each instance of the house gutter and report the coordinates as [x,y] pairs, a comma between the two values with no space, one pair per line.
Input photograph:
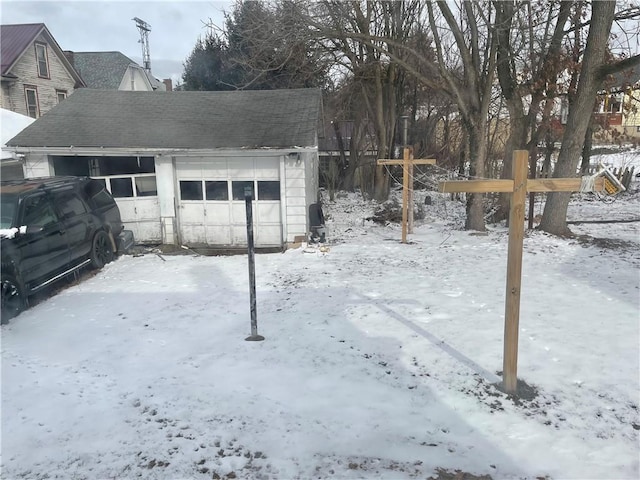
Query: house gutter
[184,152]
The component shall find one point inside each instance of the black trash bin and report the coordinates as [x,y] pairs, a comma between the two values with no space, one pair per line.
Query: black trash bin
[317,229]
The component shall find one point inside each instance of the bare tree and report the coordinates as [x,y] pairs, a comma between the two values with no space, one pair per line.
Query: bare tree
[594,70]
[469,80]
[529,61]
[341,27]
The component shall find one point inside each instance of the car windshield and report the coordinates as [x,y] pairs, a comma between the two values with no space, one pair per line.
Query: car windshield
[8,204]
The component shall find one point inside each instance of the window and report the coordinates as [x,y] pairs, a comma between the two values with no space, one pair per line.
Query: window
[615,103]
[146,186]
[269,190]
[122,187]
[102,199]
[61,94]
[8,205]
[69,205]
[31,97]
[41,59]
[191,190]
[39,211]
[216,190]
[129,176]
[238,189]
[126,165]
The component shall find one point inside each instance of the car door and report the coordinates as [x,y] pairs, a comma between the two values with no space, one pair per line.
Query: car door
[79,223]
[43,248]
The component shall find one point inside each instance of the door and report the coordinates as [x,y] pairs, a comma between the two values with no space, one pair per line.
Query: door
[212,207]
[44,248]
[137,200]
[78,223]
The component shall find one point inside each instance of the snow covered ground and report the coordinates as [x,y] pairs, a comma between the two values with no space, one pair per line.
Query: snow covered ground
[378,362]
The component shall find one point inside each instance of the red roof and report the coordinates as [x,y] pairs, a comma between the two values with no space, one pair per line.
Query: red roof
[14,39]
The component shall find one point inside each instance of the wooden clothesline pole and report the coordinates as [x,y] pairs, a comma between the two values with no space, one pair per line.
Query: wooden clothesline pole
[407,163]
[518,188]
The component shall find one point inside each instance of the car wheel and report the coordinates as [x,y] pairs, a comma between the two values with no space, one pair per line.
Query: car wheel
[101,250]
[12,298]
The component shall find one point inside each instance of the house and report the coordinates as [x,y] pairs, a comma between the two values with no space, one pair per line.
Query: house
[112,71]
[178,163]
[36,75]
[618,108]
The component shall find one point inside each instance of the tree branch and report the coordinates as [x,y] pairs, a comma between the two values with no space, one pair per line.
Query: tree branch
[619,66]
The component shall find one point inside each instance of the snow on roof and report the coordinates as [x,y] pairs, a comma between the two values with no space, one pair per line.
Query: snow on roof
[11,123]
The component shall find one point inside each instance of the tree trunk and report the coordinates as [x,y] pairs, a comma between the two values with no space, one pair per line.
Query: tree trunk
[554,219]
[515,141]
[477,157]
[586,149]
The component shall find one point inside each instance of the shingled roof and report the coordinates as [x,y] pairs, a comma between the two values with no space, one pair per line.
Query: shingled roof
[15,39]
[171,120]
[103,70]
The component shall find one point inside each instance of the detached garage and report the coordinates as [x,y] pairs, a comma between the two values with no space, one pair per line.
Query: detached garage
[178,163]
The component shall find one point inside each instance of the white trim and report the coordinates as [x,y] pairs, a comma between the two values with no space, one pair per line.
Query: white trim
[283,199]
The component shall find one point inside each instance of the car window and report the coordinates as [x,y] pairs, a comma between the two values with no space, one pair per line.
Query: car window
[38,211]
[8,205]
[69,204]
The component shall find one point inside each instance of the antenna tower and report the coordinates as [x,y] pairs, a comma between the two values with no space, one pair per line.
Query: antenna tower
[144,28]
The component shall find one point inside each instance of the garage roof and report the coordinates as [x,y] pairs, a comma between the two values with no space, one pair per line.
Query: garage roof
[197,120]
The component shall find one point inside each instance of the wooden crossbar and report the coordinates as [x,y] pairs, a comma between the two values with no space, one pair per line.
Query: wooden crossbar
[414,161]
[507,186]
[517,187]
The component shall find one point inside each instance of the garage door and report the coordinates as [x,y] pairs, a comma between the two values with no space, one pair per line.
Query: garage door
[137,199]
[211,203]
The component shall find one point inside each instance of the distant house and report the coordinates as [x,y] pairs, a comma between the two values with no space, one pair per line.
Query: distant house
[618,107]
[112,71]
[178,163]
[36,75]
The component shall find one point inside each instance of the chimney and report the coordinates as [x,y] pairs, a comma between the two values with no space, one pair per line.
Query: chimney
[69,55]
[167,83]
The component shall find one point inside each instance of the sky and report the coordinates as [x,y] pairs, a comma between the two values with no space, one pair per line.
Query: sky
[93,26]
[378,362]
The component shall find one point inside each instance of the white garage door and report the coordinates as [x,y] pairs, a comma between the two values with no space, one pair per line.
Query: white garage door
[137,199]
[211,202]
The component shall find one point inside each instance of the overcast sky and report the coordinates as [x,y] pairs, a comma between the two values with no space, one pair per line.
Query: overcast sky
[98,26]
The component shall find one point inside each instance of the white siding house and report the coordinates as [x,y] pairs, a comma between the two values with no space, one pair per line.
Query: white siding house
[36,75]
[112,71]
[178,163]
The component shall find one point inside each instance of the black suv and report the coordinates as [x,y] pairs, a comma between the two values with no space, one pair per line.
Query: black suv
[50,228]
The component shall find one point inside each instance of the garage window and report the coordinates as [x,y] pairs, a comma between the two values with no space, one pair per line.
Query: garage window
[191,190]
[140,179]
[146,186]
[121,187]
[217,190]
[238,189]
[269,190]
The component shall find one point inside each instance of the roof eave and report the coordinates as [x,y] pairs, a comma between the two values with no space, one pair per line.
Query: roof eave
[121,151]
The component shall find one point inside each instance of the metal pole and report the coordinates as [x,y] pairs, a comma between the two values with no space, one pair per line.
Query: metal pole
[254,337]
[405,129]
